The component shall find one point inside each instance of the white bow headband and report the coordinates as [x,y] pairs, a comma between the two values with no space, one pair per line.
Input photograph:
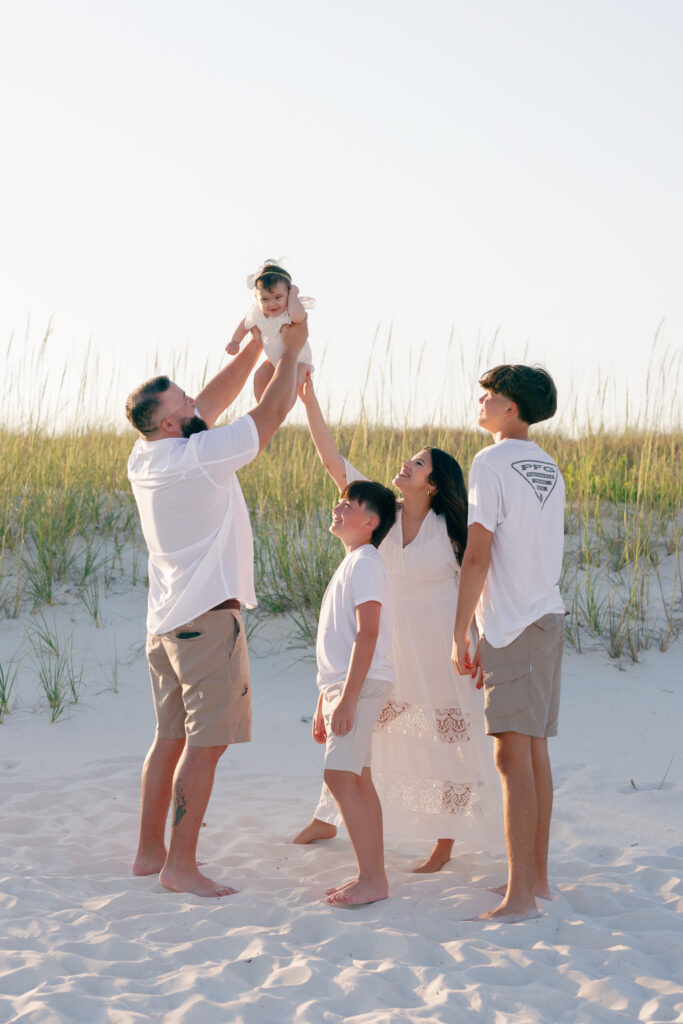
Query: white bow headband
[263,269]
[306,301]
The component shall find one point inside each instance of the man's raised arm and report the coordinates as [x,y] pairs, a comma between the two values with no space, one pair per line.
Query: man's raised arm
[280,395]
[222,390]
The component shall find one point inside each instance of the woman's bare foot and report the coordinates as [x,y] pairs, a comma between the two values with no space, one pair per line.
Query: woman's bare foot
[509,914]
[541,894]
[438,858]
[316,829]
[193,881]
[359,893]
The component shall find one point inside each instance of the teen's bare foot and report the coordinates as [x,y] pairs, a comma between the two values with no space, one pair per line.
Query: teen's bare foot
[359,893]
[316,829]
[438,858]
[193,881]
[540,894]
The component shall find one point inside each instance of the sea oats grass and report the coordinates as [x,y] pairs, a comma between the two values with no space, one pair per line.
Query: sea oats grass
[69,525]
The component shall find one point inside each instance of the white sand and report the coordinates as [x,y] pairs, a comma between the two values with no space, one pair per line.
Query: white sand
[84,941]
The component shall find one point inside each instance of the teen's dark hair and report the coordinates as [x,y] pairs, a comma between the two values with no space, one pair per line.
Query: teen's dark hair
[531,388]
[379,500]
[142,404]
[450,498]
[271,274]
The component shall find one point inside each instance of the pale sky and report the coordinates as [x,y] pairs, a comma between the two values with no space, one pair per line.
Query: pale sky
[482,168]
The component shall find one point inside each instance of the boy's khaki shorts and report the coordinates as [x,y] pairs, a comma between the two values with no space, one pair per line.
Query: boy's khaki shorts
[522,680]
[353,752]
[200,680]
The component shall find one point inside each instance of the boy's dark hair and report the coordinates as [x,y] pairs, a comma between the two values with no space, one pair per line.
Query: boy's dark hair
[378,500]
[271,274]
[142,404]
[531,388]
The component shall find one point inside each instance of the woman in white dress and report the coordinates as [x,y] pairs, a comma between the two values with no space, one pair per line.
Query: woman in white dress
[431,761]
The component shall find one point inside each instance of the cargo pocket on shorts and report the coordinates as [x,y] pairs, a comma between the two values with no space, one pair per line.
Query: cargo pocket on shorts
[234,635]
[506,689]
[545,636]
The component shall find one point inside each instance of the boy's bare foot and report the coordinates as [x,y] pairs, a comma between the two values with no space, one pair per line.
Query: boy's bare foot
[316,829]
[542,894]
[193,881]
[438,858]
[149,862]
[359,893]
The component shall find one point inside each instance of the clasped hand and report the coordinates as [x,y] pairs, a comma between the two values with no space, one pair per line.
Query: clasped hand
[464,664]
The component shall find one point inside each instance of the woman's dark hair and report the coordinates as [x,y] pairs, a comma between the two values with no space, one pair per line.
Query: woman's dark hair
[271,274]
[450,498]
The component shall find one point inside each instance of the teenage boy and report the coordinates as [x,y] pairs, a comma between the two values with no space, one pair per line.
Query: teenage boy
[510,575]
[355,674]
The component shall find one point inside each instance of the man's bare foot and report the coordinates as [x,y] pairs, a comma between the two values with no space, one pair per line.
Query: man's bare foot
[149,862]
[193,881]
[540,894]
[438,858]
[359,893]
[316,829]
[510,915]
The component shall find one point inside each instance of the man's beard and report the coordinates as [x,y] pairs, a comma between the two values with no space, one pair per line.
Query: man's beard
[194,425]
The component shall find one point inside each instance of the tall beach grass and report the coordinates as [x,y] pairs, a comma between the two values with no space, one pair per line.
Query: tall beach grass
[68,522]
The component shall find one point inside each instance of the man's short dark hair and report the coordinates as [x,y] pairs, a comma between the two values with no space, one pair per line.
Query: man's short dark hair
[142,404]
[531,388]
[378,500]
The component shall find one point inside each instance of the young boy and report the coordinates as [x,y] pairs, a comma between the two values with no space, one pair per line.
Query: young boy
[355,674]
[510,575]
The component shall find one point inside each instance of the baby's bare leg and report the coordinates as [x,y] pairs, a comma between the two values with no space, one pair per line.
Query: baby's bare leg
[262,378]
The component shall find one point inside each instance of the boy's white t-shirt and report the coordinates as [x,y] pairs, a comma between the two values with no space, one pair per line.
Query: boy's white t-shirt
[361,577]
[517,492]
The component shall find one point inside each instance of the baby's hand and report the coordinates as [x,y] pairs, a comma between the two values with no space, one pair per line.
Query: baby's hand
[294,289]
[232,348]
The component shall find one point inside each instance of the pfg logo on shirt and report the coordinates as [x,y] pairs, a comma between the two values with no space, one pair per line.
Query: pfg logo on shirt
[541,477]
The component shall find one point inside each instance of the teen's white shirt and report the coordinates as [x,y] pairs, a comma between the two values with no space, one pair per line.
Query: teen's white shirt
[361,577]
[195,521]
[517,492]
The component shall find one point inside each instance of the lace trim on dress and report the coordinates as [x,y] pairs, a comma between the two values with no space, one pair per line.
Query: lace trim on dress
[434,796]
[442,725]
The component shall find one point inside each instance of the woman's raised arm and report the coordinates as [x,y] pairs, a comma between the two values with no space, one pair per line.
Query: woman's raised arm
[325,444]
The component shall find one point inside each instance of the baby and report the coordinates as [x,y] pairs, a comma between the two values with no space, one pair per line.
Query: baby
[277,303]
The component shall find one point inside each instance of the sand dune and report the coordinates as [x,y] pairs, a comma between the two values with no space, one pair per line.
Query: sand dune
[84,941]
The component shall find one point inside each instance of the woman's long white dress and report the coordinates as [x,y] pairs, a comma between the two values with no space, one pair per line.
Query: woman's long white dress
[432,763]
